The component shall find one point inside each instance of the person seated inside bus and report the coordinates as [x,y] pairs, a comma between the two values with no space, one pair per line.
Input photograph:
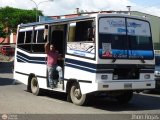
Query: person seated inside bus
[52,57]
[91,34]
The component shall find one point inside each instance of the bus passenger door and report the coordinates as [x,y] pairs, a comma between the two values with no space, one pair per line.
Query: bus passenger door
[46,39]
[58,38]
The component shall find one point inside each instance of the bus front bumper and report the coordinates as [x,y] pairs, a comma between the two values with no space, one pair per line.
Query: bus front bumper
[126,85]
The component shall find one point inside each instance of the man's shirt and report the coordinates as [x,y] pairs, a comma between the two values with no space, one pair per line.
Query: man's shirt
[52,58]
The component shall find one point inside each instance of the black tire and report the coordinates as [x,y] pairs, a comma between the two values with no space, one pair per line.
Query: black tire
[76,96]
[35,86]
[125,97]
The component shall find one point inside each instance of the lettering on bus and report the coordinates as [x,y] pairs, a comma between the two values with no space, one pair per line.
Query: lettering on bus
[81,49]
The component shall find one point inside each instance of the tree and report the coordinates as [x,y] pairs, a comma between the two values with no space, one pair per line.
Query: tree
[3,33]
[11,17]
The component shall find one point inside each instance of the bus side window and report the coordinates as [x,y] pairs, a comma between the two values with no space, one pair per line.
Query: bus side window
[81,31]
[38,41]
[78,39]
[40,36]
[86,28]
[21,37]
[35,36]
[20,40]
[28,36]
[72,29]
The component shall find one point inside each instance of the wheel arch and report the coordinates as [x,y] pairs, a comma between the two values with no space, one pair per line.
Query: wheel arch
[69,84]
[31,75]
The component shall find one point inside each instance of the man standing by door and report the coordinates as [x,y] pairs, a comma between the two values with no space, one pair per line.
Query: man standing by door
[52,66]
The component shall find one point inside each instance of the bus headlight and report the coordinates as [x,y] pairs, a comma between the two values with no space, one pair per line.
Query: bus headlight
[115,77]
[147,76]
[104,77]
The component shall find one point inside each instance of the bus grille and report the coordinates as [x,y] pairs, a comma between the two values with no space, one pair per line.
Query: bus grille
[125,74]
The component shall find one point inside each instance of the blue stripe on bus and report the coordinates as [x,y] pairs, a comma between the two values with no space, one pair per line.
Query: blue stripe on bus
[25,58]
[80,68]
[21,57]
[90,67]
[29,57]
[81,63]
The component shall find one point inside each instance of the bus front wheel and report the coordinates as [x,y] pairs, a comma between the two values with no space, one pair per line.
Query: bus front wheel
[75,94]
[35,86]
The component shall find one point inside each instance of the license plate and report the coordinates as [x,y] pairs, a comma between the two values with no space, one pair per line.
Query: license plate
[128,86]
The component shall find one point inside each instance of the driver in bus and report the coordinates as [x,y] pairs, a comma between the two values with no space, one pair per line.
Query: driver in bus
[52,57]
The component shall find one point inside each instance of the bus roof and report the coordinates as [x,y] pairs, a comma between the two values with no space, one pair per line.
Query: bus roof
[90,16]
[55,21]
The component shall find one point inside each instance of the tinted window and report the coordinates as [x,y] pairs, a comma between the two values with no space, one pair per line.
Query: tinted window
[157,60]
[81,31]
[124,38]
[21,36]
[40,37]
[38,42]
[35,36]
[140,43]
[24,41]
[117,41]
[38,48]
[28,36]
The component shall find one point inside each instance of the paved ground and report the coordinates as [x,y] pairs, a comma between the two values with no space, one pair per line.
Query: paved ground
[19,104]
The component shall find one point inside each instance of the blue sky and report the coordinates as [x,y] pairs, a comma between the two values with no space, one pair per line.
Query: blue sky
[147,6]
[61,7]
[148,3]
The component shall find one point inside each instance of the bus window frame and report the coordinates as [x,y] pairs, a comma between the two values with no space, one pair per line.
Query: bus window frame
[75,22]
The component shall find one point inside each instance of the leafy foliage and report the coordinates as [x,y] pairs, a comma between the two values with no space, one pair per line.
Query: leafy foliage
[11,17]
[2,31]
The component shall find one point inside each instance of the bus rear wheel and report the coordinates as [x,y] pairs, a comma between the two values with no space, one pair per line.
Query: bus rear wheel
[35,86]
[75,94]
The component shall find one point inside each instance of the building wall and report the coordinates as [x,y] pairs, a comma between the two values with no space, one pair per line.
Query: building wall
[155,27]
[9,40]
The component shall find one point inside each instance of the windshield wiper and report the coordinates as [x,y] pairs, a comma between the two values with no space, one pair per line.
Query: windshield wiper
[114,60]
[142,60]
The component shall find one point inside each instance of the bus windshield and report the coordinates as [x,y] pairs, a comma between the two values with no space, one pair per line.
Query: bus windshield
[124,38]
[157,60]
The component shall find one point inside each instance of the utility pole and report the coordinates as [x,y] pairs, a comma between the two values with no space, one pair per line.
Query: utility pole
[37,4]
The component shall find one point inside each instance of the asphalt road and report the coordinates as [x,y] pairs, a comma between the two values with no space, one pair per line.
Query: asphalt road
[16,102]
